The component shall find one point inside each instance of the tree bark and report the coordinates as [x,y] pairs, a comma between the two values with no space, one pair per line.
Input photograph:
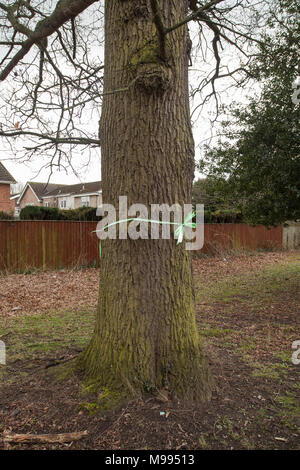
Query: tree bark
[146,336]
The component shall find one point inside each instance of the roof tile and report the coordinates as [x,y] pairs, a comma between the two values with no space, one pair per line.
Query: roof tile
[5,175]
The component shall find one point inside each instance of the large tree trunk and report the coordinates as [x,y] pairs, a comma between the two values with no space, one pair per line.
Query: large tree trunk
[146,336]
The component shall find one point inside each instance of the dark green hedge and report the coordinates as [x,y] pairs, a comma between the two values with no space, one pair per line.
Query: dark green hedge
[39,213]
[82,213]
[53,213]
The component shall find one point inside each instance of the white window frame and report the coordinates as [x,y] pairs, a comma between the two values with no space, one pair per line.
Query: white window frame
[85,201]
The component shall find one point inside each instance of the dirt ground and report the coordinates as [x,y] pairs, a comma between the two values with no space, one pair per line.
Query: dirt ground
[248,315]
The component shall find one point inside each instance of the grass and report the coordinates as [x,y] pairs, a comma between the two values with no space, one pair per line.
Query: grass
[42,333]
[252,289]
[289,408]
[254,315]
[215,332]
[32,338]
[257,295]
[276,372]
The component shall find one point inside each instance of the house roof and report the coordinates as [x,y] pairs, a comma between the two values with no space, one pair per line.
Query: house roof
[42,190]
[39,189]
[5,176]
[76,189]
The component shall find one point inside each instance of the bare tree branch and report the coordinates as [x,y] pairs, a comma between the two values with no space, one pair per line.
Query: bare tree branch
[193,16]
[54,140]
[160,28]
[64,11]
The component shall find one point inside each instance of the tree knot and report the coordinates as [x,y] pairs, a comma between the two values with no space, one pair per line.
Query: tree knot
[150,71]
[152,77]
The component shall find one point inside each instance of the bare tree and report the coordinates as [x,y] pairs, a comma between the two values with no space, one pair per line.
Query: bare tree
[146,334]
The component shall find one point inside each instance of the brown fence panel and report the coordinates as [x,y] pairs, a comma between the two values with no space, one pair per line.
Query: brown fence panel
[60,244]
[47,244]
[240,236]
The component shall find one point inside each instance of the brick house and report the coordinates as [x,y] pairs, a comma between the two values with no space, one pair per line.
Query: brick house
[33,193]
[5,181]
[61,196]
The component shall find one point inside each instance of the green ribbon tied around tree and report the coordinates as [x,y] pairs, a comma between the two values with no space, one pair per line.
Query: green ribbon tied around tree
[179,232]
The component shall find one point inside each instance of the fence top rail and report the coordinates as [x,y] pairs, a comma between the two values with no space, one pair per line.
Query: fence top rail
[96,221]
[61,221]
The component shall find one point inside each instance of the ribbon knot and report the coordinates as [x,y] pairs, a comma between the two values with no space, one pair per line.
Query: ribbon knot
[179,232]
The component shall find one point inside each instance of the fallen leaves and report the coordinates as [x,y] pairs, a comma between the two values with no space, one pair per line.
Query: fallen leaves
[45,291]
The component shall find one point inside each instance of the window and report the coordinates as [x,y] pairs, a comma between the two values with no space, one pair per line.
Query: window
[85,201]
[63,204]
[47,204]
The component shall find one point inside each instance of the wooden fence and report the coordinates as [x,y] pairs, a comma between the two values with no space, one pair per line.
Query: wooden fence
[63,244]
[218,237]
[47,244]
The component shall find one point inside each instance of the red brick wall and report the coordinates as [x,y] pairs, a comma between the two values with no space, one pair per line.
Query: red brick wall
[5,203]
[29,198]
